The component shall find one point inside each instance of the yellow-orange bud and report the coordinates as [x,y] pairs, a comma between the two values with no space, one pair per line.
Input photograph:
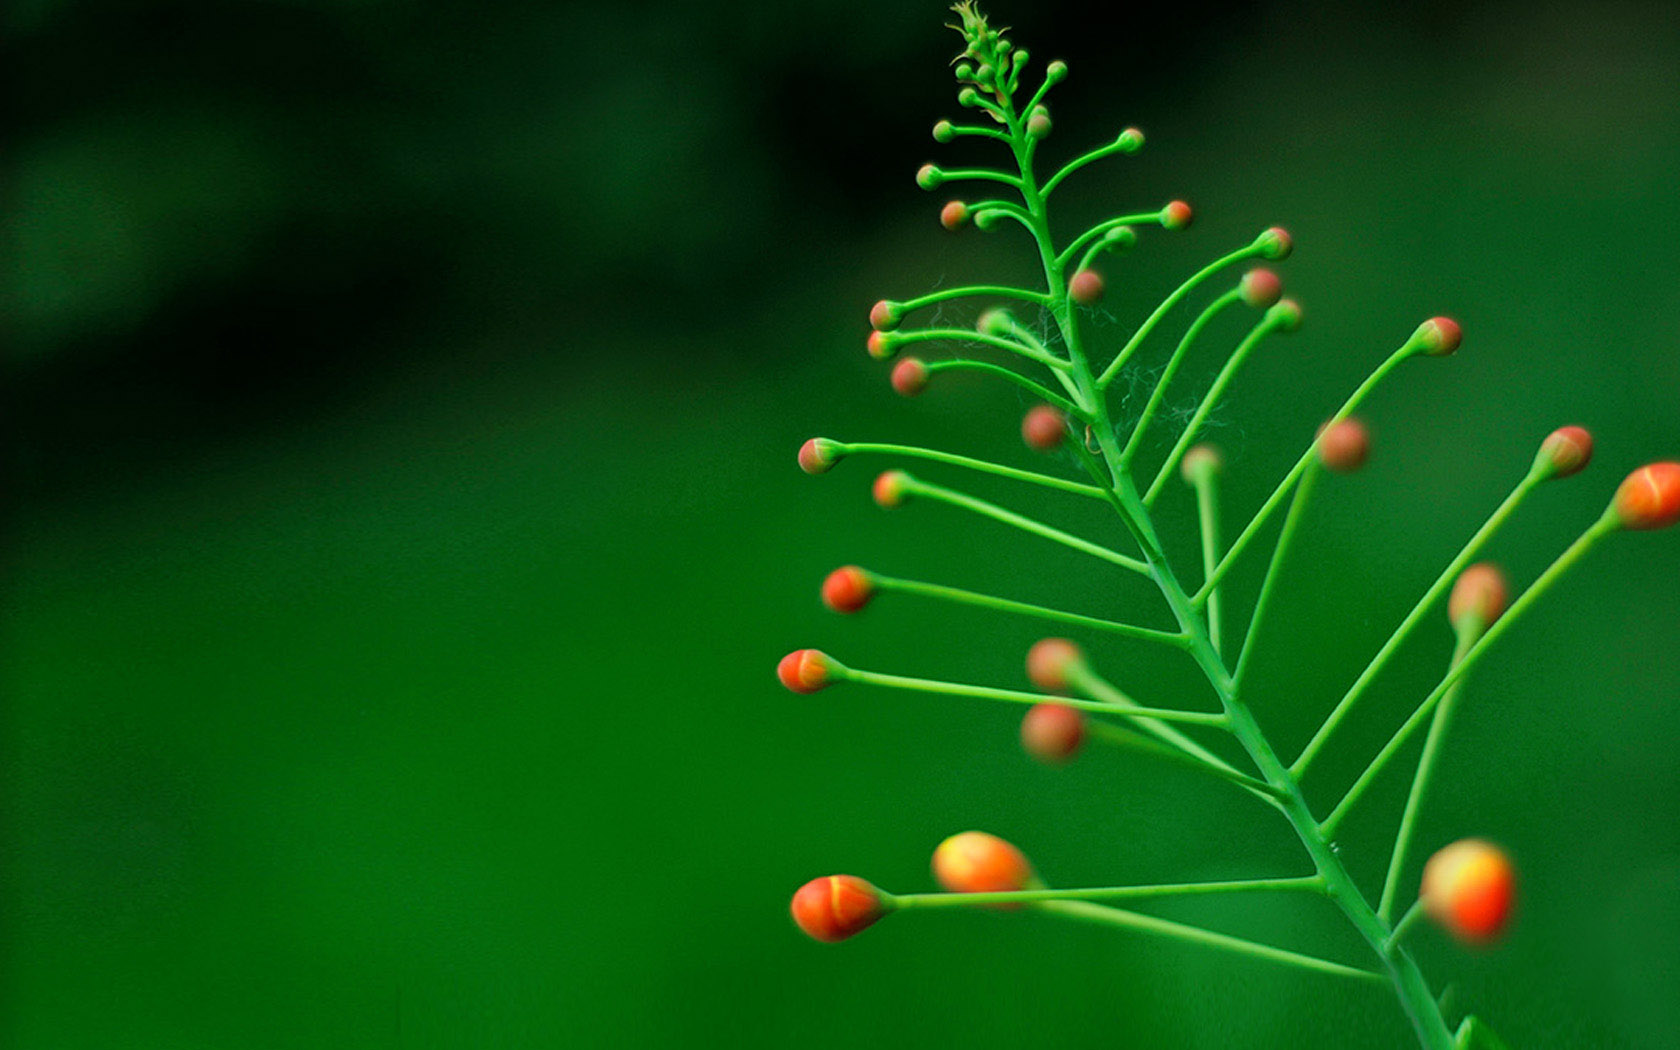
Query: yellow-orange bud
[975,862]
[1566,451]
[1343,445]
[1469,888]
[806,670]
[1650,497]
[1050,661]
[835,907]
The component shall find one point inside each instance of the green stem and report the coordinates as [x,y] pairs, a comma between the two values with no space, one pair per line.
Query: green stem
[908,901]
[1046,480]
[1007,605]
[1413,618]
[1025,524]
[1122,737]
[1576,551]
[958,335]
[1099,230]
[980,174]
[1130,920]
[1117,146]
[1012,696]
[1206,484]
[1040,392]
[1168,303]
[1280,552]
[970,291]
[1160,392]
[1096,687]
[1404,926]
[1420,780]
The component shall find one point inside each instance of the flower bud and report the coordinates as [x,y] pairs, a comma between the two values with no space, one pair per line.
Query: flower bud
[1202,461]
[1478,593]
[954,216]
[1260,288]
[910,376]
[1038,125]
[995,322]
[835,907]
[928,176]
[944,131]
[1566,451]
[975,862]
[818,455]
[881,345]
[1650,497]
[1119,238]
[1055,71]
[1052,733]
[885,315]
[1469,888]
[1130,140]
[1343,445]
[1176,215]
[806,670]
[1274,244]
[1043,427]
[1284,315]
[965,71]
[891,488]
[1439,336]
[1050,661]
[847,589]
[1086,287]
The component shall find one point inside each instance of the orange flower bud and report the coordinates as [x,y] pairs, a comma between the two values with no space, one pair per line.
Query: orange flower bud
[1261,288]
[1052,733]
[1176,215]
[1050,661]
[954,216]
[835,907]
[1086,287]
[1043,428]
[847,589]
[818,456]
[806,670]
[1439,336]
[975,862]
[890,487]
[884,316]
[928,176]
[1650,497]
[1343,445]
[1201,461]
[1274,243]
[1469,888]
[910,376]
[1480,592]
[1566,451]
[881,345]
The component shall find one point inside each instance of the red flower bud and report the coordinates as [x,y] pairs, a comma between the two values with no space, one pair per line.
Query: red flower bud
[1469,888]
[1566,451]
[891,488]
[1274,243]
[954,216]
[806,670]
[1650,497]
[1052,733]
[884,316]
[882,345]
[975,862]
[910,376]
[835,907]
[1480,592]
[818,456]
[1043,427]
[1176,215]
[847,589]
[1343,445]
[1086,287]
[1261,288]
[1439,336]
[1050,661]
[1200,461]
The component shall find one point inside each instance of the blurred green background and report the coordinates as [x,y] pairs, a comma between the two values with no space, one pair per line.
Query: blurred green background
[399,414]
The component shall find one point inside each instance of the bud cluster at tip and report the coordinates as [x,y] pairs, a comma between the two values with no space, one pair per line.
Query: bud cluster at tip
[1043,428]
[1566,451]
[1479,595]
[1344,445]
[975,862]
[1469,889]
[1649,498]
[836,907]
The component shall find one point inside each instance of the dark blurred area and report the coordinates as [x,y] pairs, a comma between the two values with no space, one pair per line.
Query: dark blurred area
[399,407]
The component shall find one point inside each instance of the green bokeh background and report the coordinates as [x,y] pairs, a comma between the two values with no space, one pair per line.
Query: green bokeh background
[399,412]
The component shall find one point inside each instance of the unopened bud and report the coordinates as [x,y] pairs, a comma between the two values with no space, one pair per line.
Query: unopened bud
[891,488]
[1086,287]
[847,589]
[881,345]
[954,216]
[1478,593]
[1043,427]
[1051,661]
[1130,140]
[1259,288]
[806,670]
[910,376]
[818,455]
[975,862]
[995,322]
[1649,498]
[1055,71]
[928,176]
[1439,336]
[1343,445]
[1274,243]
[1469,888]
[1200,463]
[1038,125]
[884,316]
[1284,315]
[944,131]
[1566,451]
[1176,215]
[1052,732]
[836,907]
